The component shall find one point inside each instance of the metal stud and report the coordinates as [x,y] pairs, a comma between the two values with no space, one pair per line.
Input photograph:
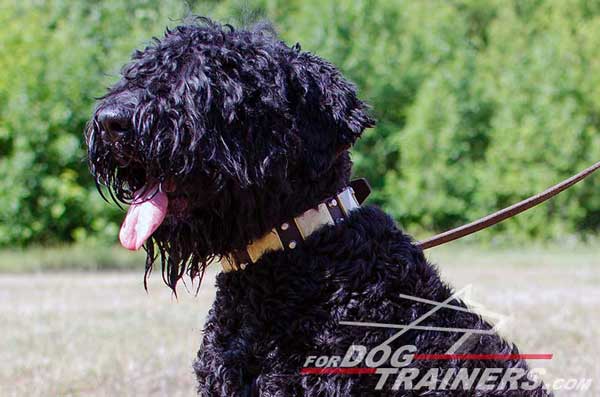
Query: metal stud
[292,244]
[333,203]
[285,226]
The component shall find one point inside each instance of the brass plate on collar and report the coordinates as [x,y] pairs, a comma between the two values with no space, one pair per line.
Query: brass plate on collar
[313,219]
[270,242]
[348,201]
[228,263]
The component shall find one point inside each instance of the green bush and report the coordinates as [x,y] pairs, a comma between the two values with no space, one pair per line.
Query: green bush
[479,103]
[55,58]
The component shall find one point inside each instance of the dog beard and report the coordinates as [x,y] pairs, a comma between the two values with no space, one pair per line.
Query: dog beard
[178,253]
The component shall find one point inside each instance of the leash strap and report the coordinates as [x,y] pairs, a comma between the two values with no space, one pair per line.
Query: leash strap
[508,212]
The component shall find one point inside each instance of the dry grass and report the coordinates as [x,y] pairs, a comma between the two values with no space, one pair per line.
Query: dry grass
[100,334]
[552,298]
[97,334]
[74,257]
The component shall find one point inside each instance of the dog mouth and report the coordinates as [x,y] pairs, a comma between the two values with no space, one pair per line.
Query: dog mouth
[145,214]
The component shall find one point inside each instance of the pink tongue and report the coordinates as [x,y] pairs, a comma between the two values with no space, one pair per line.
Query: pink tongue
[144,216]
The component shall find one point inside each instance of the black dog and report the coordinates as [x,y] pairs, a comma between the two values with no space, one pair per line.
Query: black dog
[231,145]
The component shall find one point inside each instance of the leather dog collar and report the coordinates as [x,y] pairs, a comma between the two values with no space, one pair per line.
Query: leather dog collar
[286,236]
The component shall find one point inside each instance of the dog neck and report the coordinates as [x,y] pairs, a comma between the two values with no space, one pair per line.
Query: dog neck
[287,235]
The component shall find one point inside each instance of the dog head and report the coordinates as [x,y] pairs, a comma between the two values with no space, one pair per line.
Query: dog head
[214,135]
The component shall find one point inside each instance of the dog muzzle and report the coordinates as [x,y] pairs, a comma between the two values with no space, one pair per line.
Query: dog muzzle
[288,235]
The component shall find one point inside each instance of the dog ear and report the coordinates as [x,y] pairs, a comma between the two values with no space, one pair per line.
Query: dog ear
[328,113]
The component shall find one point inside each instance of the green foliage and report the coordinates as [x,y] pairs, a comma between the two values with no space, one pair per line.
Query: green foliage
[55,58]
[479,103]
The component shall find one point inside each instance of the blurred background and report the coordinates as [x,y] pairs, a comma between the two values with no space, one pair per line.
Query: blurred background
[480,103]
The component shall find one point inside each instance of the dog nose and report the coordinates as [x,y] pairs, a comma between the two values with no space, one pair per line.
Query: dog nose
[115,121]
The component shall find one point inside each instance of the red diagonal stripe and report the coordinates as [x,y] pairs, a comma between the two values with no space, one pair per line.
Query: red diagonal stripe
[498,357]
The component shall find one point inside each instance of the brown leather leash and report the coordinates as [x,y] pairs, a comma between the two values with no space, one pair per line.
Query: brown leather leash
[508,212]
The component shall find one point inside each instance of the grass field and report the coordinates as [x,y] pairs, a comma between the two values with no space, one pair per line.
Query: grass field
[101,334]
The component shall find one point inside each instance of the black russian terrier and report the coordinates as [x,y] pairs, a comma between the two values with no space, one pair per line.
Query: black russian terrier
[230,145]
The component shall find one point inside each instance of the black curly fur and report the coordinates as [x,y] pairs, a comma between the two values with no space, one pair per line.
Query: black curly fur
[247,132]
[246,127]
[268,318]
